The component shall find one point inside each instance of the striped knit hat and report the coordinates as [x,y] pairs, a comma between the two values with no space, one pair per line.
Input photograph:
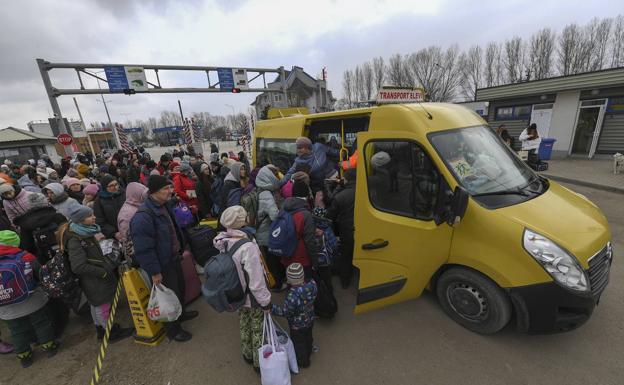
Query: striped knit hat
[294,274]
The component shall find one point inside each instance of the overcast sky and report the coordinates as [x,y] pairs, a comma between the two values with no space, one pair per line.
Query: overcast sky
[264,33]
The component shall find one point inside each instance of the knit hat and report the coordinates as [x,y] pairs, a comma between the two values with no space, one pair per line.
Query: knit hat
[91,189]
[294,274]
[186,168]
[9,238]
[300,189]
[50,171]
[72,173]
[157,182]
[71,181]
[155,172]
[203,167]
[78,213]
[234,217]
[5,187]
[83,169]
[105,180]
[302,141]
[36,200]
[380,159]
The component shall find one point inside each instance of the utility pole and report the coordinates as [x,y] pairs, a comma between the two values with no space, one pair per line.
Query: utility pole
[45,76]
[84,127]
[110,122]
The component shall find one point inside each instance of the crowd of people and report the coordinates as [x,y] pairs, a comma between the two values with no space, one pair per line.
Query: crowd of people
[146,209]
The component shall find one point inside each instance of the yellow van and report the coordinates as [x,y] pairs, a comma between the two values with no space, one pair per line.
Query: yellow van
[442,203]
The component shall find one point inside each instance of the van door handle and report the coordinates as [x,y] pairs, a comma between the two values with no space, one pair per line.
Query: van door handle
[373,246]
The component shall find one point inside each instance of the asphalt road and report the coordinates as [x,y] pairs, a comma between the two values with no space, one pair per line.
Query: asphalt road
[409,343]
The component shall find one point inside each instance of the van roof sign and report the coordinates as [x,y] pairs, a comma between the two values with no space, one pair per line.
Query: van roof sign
[400,95]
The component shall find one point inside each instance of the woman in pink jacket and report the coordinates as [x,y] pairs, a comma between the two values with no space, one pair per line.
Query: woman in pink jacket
[247,260]
[135,195]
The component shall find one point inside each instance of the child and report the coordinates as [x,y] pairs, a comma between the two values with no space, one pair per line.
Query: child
[27,316]
[298,308]
[97,273]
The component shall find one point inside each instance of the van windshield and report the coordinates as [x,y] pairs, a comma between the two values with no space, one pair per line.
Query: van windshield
[483,164]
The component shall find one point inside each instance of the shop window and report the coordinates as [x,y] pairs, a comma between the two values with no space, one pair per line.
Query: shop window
[513,113]
[401,179]
[503,113]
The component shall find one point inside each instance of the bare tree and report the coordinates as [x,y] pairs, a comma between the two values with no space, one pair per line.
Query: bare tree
[617,42]
[359,84]
[367,81]
[437,72]
[493,65]
[379,72]
[348,88]
[396,70]
[597,36]
[514,59]
[471,65]
[540,53]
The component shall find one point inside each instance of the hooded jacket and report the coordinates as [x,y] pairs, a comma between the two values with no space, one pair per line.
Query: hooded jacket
[183,185]
[341,209]
[231,181]
[33,219]
[246,258]
[321,166]
[268,183]
[18,205]
[27,184]
[135,195]
[106,207]
[61,201]
[307,251]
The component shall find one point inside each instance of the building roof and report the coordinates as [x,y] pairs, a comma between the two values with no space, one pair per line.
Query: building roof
[587,80]
[12,134]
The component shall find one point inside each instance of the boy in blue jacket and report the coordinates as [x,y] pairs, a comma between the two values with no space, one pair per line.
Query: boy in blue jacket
[298,308]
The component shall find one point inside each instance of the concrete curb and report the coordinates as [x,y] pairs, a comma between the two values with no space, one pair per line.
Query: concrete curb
[614,189]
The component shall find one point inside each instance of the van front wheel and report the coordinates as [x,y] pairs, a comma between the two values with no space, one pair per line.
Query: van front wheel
[473,300]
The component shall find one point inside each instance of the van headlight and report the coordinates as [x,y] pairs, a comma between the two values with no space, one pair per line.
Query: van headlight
[563,267]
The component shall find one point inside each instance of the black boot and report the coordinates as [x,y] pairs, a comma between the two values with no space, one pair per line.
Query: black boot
[99,331]
[26,358]
[179,335]
[188,315]
[51,348]
[117,333]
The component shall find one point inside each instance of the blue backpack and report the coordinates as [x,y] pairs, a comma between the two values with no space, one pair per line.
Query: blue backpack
[183,215]
[283,235]
[16,279]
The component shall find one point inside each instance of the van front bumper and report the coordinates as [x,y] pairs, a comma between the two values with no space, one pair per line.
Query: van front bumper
[549,308]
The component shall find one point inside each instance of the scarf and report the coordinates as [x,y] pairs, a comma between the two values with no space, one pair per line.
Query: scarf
[84,230]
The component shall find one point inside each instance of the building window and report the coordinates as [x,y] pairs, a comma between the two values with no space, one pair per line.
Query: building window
[402,179]
[513,113]
[277,97]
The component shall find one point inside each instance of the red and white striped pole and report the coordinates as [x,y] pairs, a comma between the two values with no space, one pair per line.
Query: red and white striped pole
[123,138]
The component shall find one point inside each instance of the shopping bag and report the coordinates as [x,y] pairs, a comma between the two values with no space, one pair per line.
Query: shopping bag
[286,343]
[273,358]
[164,305]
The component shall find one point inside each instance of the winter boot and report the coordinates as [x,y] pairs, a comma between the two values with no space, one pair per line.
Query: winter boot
[51,348]
[117,333]
[100,332]
[26,358]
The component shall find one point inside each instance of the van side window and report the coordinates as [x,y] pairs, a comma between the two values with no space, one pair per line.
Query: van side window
[279,152]
[329,131]
[401,179]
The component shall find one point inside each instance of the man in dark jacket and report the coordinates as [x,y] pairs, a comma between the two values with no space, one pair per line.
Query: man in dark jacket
[320,159]
[341,212]
[158,247]
[306,252]
[109,201]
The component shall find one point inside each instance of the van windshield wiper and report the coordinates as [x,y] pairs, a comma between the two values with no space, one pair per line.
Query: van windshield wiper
[502,192]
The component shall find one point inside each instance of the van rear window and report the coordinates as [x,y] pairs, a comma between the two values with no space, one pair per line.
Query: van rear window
[279,152]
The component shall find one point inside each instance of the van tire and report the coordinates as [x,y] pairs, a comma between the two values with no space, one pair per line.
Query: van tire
[473,300]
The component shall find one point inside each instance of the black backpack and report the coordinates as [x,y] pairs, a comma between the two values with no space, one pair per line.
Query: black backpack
[45,240]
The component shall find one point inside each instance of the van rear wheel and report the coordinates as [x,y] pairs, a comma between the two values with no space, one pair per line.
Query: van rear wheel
[473,300]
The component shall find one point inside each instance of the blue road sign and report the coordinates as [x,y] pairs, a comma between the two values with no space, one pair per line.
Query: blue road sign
[117,80]
[226,79]
[133,130]
[167,129]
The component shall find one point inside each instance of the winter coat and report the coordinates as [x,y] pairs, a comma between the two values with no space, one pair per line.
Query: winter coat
[246,258]
[61,201]
[298,307]
[106,208]
[33,219]
[307,251]
[18,205]
[133,174]
[341,209]
[183,185]
[95,271]
[267,182]
[28,185]
[135,195]
[78,196]
[321,166]
[151,235]
[231,182]
[204,195]
[34,302]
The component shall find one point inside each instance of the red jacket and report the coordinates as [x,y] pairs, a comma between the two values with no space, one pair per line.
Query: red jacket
[306,252]
[182,185]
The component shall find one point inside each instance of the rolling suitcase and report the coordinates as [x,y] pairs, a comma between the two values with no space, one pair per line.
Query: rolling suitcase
[191,279]
[200,238]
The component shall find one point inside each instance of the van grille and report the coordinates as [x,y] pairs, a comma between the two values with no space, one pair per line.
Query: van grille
[598,272]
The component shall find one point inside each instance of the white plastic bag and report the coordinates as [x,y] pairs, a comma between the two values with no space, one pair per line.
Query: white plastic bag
[164,305]
[274,368]
[286,343]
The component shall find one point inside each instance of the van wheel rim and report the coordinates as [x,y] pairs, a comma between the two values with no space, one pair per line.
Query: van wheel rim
[467,301]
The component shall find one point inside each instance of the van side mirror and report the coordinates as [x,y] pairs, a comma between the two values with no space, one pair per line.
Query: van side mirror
[459,204]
